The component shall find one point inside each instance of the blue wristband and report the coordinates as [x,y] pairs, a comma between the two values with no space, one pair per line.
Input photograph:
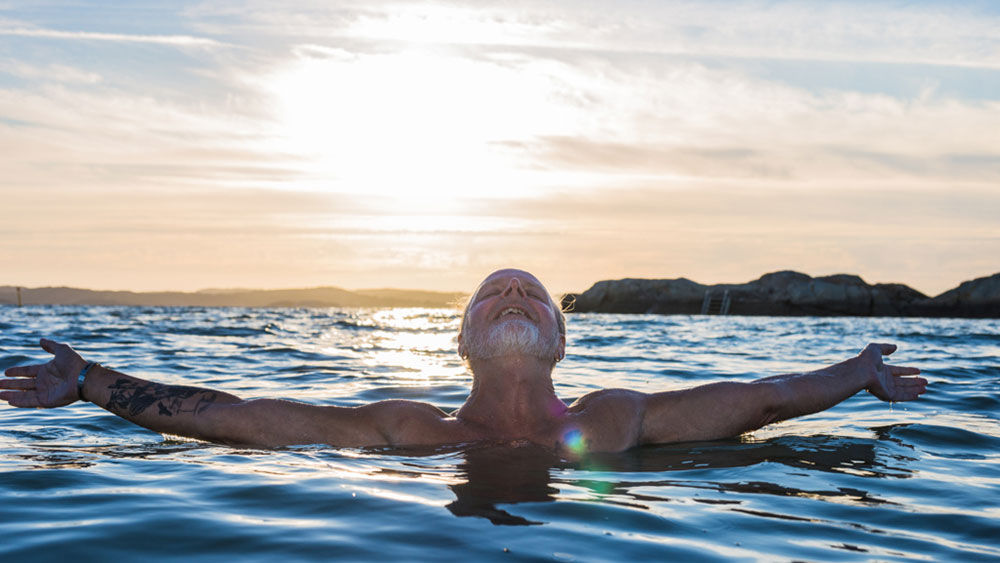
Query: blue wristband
[80,379]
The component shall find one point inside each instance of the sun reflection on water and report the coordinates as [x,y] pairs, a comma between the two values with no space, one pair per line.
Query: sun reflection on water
[416,346]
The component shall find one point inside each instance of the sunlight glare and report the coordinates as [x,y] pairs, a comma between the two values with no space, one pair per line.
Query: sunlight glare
[413,121]
[418,348]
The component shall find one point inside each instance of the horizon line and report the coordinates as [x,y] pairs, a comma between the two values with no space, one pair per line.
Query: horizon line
[383,288]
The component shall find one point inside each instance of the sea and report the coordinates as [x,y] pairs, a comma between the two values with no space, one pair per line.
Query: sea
[865,480]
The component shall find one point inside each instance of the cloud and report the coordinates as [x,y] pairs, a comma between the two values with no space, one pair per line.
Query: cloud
[646,160]
[175,40]
[592,114]
[104,136]
[685,122]
[891,32]
[49,72]
[655,139]
[961,35]
[642,163]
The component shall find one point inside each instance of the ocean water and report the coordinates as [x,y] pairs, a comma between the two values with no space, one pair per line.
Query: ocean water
[865,480]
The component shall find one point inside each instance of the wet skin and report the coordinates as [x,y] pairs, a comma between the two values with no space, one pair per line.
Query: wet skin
[512,397]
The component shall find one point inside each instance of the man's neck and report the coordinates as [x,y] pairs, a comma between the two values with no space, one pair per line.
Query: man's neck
[511,396]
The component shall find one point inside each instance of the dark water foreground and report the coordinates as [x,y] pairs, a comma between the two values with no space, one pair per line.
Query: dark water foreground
[864,481]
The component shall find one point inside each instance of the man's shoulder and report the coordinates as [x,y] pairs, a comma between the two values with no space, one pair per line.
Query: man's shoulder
[607,398]
[411,423]
[610,419]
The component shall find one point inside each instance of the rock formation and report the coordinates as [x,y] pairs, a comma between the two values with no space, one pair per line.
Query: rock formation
[790,293]
[978,298]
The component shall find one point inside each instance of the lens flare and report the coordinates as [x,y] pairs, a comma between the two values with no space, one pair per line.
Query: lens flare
[574,441]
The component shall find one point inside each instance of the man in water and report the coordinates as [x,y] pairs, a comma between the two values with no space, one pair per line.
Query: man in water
[512,335]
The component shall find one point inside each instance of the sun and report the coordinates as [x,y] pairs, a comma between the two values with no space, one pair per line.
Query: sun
[412,122]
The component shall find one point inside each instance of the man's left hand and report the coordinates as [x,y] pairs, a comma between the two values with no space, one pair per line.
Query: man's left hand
[890,383]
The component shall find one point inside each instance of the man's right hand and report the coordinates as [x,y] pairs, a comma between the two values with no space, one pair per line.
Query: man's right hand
[52,384]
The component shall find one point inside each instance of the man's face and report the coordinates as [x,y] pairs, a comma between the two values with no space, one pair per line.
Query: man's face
[511,314]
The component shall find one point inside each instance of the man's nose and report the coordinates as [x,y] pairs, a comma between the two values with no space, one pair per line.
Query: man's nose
[512,286]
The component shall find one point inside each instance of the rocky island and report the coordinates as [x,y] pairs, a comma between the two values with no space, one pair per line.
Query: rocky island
[788,293]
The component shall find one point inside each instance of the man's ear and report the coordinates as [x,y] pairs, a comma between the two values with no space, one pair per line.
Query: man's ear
[561,349]
[461,352]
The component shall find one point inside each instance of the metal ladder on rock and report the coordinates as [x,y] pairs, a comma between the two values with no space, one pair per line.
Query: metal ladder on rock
[715,304]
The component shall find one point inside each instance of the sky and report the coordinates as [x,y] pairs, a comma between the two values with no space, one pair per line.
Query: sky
[152,145]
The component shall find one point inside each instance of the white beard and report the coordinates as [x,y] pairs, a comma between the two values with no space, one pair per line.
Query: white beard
[514,336]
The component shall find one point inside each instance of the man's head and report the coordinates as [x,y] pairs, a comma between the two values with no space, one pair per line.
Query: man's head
[510,313]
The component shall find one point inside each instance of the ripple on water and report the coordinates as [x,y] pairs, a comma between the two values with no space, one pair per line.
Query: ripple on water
[11,360]
[949,439]
[859,482]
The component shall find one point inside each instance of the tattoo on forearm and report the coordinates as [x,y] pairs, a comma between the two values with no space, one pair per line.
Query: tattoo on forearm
[133,398]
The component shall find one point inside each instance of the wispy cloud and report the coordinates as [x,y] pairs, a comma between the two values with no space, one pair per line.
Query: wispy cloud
[49,72]
[111,137]
[176,40]
[946,34]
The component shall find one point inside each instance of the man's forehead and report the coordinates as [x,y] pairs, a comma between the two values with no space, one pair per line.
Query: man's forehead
[506,274]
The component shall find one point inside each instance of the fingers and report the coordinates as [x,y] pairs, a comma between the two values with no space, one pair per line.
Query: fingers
[908,388]
[50,346]
[24,395]
[909,381]
[882,348]
[23,371]
[17,383]
[902,370]
[886,349]
[20,399]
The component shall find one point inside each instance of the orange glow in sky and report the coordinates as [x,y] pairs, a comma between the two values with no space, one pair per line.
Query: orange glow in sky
[422,146]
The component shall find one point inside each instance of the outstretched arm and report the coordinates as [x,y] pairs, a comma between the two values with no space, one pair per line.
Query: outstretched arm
[192,411]
[722,410]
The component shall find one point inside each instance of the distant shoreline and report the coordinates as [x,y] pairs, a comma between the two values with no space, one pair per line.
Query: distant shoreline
[785,293]
[305,297]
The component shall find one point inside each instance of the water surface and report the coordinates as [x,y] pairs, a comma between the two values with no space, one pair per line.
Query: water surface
[865,480]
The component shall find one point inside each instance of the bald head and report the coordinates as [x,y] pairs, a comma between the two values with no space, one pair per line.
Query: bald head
[523,277]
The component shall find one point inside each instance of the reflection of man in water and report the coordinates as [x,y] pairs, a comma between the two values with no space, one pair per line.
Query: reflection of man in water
[512,335]
[498,476]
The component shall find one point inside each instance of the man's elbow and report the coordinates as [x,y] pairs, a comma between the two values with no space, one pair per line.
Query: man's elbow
[747,407]
[769,402]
